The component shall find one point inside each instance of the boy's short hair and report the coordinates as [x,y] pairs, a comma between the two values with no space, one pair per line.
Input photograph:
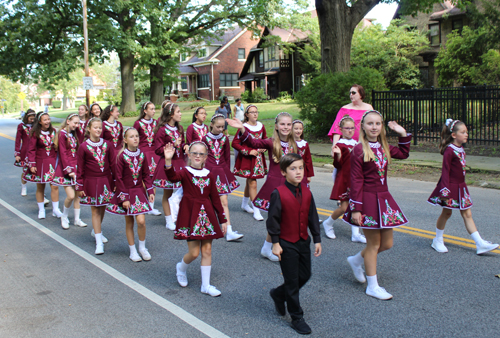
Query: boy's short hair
[288,159]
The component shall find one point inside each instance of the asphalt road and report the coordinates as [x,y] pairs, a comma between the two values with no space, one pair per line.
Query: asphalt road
[52,285]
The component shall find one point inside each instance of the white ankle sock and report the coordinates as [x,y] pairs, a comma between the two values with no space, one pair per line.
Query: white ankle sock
[183,267]
[358,259]
[439,234]
[152,205]
[55,205]
[267,246]
[372,281]
[41,206]
[329,221]
[77,214]
[255,209]
[476,237]
[354,231]
[23,185]
[245,201]
[168,219]
[229,229]
[65,211]
[142,245]
[132,249]
[205,276]
[98,238]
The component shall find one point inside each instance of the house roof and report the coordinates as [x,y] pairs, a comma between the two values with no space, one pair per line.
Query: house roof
[449,10]
[187,70]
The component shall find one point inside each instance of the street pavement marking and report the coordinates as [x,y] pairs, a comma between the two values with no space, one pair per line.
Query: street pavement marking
[7,136]
[466,242]
[152,296]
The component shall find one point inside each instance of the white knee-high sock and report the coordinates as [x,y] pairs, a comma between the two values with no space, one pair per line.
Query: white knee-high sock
[372,281]
[132,249]
[439,234]
[329,221]
[205,276]
[41,206]
[358,259]
[77,214]
[98,238]
[244,201]
[142,245]
[65,211]
[267,246]
[55,205]
[354,230]
[168,219]
[183,266]
[477,238]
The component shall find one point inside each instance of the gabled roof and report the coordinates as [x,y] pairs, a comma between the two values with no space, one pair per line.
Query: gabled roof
[449,10]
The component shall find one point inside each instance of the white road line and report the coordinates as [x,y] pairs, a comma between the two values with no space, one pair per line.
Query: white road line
[154,297]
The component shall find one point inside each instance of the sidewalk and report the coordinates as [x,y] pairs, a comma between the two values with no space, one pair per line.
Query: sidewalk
[483,163]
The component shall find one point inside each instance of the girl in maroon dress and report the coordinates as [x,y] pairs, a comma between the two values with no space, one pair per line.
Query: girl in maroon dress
[451,191]
[278,146]
[304,151]
[198,128]
[95,178]
[371,206]
[145,126]
[341,188]
[112,129]
[66,143]
[218,162]
[83,114]
[167,131]
[21,145]
[41,162]
[250,163]
[131,197]
[95,111]
[200,212]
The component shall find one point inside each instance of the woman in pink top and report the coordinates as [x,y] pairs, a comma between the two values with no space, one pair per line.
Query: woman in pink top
[355,109]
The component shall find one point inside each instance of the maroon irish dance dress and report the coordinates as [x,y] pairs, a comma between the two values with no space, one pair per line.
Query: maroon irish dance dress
[66,160]
[369,192]
[246,165]
[168,134]
[21,145]
[113,132]
[146,130]
[197,218]
[42,155]
[94,176]
[80,131]
[274,177]
[305,152]
[219,161]
[342,184]
[195,132]
[451,186]
[132,174]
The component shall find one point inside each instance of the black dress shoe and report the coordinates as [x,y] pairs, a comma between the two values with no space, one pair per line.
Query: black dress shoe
[278,304]
[301,326]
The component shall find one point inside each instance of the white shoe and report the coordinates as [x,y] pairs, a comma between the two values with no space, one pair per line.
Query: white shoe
[269,255]
[359,238]
[211,290]
[170,226]
[154,212]
[80,223]
[438,245]
[24,191]
[134,257]
[181,277]
[45,201]
[247,208]
[104,239]
[379,293]
[99,249]
[65,222]
[41,214]
[57,213]
[329,232]
[232,235]
[257,215]
[357,270]
[145,254]
[485,247]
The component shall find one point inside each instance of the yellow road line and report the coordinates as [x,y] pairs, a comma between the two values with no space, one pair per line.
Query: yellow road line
[8,137]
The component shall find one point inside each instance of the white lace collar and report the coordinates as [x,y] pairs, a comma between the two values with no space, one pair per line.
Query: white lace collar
[454,147]
[64,131]
[301,143]
[82,121]
[215,137]
[147,121]
[132,153]
[111,124]
[196,125]
[174,128]
[46,133]
[374,145]
[28,124]
[255,128]
[284,144]
[198,172]
[95,144]
[351,142]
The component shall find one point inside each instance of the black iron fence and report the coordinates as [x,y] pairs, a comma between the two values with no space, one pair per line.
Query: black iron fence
[424,111]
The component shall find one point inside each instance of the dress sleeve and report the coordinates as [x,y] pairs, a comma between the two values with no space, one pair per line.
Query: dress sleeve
[112,160]
[19,137]
[308,161]
[215,198]
[256,143]
[63,153]
[445,174]
[147,179]
[357,179]
[345,156]
[244,150]
[121,190]
[160,142]
[31,153]
[189,134]
[273,222]
[172,175]
[120,137]
[402,151]
[80,172]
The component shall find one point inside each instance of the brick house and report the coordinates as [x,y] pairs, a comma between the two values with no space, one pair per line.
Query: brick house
[212,69]
[444,18]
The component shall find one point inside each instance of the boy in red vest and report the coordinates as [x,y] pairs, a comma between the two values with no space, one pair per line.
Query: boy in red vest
[292,210]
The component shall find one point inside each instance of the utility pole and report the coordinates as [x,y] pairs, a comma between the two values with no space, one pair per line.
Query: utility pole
[86,48]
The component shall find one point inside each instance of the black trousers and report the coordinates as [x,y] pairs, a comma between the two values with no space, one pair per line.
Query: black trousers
[296,268]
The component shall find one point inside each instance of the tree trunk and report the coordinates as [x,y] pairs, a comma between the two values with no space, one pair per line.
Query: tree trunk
[64,103]
[156,84]
[337,22]
[127,74]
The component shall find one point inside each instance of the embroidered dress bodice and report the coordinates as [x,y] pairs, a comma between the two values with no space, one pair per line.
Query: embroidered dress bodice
[352,142]
[134,160]
[47,139]
[216,145]
[200,177]
[460,153]
[98,151]
[380,159]
[148,127]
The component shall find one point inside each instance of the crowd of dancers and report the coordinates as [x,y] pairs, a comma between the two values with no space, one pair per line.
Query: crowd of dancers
[101,165]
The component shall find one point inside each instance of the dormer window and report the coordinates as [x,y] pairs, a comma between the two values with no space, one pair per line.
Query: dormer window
[183,57]
[202,53]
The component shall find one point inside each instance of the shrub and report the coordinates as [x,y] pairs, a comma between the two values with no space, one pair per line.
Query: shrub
[131,114]
[285,97]
[78,103]
[56,104]
[321,99]
[257,96]
[181,99]
[192,97]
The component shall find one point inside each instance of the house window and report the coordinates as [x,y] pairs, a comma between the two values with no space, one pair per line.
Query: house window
[183,57]
[241,53]
[202,53]
[228,80]
[271,53]
[298,83]
[184,84]
[457,25]
[261,59]
[203,81]
[434,37]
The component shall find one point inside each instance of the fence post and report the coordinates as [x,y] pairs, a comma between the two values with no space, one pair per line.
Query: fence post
[373,99]
[432,110]
[415,116]
[464,106]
